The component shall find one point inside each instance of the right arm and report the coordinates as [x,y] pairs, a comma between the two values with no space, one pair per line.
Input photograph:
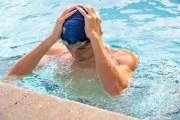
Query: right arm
[28,62]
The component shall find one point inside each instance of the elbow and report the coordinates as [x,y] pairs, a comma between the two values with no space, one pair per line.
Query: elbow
[125,85]
[117,90]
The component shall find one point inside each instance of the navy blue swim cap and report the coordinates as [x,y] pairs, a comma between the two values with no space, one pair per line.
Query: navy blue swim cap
[73,28]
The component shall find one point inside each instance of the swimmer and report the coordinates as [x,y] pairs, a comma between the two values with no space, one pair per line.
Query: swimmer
[79,28]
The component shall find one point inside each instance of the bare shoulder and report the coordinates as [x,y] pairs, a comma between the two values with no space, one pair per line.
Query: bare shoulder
[57,48]
[123,57]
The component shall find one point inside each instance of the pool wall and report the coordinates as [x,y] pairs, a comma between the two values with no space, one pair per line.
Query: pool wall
[23,104]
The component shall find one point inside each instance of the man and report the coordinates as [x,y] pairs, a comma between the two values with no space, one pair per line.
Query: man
[80,31]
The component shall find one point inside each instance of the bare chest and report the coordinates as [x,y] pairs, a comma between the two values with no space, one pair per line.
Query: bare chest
[88,74]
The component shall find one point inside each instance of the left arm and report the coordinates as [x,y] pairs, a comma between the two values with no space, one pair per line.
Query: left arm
[114,79]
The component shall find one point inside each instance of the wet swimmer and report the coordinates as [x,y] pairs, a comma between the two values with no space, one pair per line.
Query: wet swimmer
[80,32]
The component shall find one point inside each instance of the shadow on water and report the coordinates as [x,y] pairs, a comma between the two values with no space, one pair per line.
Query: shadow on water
[175,1]
[140,8]
[17,46]
[3,37]
[176,41]
[6,63]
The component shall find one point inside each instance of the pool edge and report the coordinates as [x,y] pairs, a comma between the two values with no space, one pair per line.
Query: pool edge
[18,103]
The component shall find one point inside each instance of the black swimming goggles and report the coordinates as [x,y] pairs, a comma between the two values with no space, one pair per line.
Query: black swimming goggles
[78,42]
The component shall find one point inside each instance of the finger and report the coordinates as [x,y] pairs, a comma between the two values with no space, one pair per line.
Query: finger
[100,29]
[93,11]
[96,12]
[86,8]
[90,10]
[81,11]
[68,10]
[68,15]
[79,5]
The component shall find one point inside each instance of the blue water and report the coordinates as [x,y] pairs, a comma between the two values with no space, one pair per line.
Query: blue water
[149,28]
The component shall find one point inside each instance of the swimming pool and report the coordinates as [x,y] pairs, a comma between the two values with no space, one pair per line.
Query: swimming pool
[150,29]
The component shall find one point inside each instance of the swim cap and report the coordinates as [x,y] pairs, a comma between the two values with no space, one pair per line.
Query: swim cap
[73,28]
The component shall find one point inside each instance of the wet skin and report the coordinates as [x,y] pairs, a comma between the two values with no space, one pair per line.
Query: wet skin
[112,66]
[83,66]
[83,57]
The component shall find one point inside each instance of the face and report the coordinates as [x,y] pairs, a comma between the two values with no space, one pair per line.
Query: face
[81,54]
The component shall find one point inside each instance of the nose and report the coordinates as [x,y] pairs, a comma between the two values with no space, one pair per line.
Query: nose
[76,54]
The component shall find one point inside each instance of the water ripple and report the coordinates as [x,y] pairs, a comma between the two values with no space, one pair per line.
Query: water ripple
[148,28]
[35,15]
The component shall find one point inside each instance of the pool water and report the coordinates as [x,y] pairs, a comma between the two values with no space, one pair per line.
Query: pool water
[149,28]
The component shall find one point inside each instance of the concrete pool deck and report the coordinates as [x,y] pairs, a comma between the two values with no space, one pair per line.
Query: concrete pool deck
[23,104]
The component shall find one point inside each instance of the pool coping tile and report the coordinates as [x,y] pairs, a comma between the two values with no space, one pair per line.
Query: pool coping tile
[23,104]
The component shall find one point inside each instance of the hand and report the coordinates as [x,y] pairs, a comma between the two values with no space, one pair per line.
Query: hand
[56,33]
[92,21]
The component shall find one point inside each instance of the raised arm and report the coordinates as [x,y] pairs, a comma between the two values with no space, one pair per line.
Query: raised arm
[28,62]
[114,78]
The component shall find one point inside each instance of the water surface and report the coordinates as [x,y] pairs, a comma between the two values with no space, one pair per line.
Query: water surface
[149,28]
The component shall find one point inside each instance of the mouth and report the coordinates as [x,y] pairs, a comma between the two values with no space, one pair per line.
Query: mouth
[81,60]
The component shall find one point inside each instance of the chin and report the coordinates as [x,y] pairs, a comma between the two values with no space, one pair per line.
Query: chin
[82,60]
[88,59]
